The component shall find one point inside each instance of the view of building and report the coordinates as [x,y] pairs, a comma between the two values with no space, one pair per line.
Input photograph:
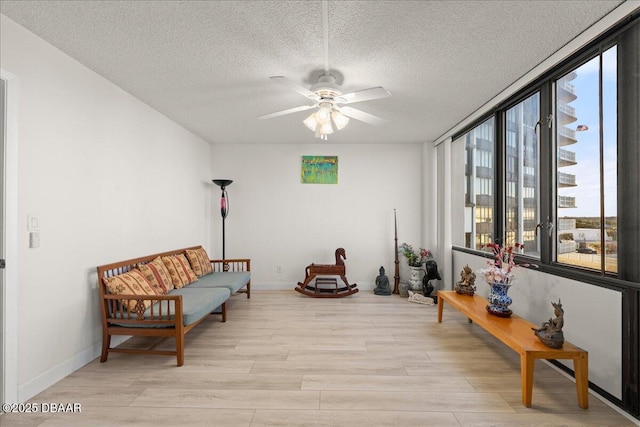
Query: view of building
[565,137]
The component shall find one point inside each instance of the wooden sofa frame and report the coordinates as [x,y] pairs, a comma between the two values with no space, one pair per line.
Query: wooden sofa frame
[116,320]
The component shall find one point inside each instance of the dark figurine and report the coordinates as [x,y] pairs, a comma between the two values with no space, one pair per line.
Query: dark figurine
[382,284]
[432,273]
[550,333]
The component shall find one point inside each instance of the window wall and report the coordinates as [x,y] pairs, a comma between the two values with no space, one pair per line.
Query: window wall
[556,167]
[572,221]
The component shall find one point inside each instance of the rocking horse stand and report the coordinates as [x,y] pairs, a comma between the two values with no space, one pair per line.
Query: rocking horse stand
[323,286]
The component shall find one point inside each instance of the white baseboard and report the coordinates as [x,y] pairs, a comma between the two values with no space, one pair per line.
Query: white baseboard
[593,393]
[42,382]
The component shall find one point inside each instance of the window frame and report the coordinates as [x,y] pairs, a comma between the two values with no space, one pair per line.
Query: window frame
[548,165]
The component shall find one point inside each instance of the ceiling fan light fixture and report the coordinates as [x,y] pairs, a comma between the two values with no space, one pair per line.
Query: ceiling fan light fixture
[323,130]
[311,122]
[339,119]
[320,122]
[326,128]
[323,116]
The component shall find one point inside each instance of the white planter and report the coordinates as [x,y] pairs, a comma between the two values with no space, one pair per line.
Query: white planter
[415,281]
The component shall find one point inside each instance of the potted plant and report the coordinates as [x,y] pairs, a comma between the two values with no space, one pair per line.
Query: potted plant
[500,276]
[416,260]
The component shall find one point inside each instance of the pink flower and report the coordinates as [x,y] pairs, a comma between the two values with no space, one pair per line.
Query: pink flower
[501,267]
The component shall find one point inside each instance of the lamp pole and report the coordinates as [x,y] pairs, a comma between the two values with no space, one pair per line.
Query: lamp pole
[224,209]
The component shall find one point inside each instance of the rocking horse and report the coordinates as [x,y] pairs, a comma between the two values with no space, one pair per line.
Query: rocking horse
[317,273]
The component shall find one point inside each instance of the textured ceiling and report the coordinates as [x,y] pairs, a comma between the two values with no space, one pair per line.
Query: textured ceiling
[206,64]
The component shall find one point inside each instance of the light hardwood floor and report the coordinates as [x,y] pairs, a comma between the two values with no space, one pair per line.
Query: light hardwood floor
[283,359]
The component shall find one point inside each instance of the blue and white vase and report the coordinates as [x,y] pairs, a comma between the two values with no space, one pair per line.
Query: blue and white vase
[499,301]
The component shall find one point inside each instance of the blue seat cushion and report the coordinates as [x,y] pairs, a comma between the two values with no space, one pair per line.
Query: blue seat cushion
[232,280]
[196,303]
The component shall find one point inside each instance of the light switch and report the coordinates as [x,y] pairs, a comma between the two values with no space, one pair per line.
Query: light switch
[33,222]
[34,239]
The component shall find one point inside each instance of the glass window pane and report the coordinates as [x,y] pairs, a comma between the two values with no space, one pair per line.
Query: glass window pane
[473,216]
[610,157]
[522,175]
[582,226]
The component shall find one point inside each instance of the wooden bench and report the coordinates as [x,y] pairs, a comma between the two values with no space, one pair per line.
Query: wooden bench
[516,333]
[165,315]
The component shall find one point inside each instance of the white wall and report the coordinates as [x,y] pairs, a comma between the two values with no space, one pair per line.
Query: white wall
[276,220]
[109,178]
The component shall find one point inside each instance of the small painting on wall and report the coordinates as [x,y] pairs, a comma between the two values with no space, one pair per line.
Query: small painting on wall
[319,170]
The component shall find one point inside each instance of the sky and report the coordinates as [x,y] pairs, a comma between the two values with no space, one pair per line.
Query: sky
[587,169]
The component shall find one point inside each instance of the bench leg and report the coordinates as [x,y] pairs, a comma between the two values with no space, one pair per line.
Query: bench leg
[581,368]
[106,343]
[180,349]
[249,290]
[224,311]
[526,377]
[440,309]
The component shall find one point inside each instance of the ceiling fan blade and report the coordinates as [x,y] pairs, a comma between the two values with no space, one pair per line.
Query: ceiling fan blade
[295,86]
[289,111]
[363,95]
[362,116]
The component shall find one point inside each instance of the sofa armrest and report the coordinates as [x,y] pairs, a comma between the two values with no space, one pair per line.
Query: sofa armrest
[164,310]
[238,264]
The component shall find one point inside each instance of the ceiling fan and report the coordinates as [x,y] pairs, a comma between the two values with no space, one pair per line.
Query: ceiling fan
[328,100]
[331,104]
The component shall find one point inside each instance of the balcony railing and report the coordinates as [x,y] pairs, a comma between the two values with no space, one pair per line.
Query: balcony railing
[566,202]
[569,87]
[566,155]
[571,111]
[566,179]
[566,132]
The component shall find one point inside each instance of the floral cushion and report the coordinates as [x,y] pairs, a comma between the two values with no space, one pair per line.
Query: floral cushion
[130,283]
[157,275]
[179,270]
[199,261]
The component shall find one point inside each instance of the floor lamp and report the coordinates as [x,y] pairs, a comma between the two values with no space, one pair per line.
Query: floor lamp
[224,211]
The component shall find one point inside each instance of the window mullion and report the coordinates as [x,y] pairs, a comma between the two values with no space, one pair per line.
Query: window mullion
[500,147]
[547,174]
[603,232]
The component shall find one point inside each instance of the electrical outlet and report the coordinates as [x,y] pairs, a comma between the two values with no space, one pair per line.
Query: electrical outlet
[34,239]
[278,269]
